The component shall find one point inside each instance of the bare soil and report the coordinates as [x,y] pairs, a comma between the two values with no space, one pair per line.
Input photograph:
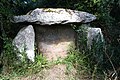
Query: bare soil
[57,72]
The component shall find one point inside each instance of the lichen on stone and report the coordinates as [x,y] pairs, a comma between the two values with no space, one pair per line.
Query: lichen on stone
[49,10]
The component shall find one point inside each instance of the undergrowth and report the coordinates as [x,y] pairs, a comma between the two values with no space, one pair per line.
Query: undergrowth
[86,63]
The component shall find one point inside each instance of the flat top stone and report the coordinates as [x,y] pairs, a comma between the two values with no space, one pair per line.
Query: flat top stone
[49,16]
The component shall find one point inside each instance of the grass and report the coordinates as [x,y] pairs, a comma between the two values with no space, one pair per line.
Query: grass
[76,65]
[79,65]
[75,62]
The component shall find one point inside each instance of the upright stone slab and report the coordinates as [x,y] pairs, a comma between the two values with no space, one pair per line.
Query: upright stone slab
[24,42]
[95,43]
[94,36]
[53,30]
[55,41]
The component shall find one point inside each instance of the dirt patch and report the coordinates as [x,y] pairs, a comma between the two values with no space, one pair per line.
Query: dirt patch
[57,72]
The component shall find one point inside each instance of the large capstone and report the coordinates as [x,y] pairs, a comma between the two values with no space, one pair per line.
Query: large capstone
[24,43]
[49,16]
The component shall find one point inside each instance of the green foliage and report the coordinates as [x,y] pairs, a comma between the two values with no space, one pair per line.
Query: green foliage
[8,57]
[99,58]
[6,12]
[31,68]
[76,58]
[83,64]
[13,68]
[107,13]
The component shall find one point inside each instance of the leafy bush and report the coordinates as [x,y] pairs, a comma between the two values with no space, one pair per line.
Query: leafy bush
[8,55]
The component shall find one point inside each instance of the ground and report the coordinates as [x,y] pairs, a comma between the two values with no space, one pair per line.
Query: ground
[56,72]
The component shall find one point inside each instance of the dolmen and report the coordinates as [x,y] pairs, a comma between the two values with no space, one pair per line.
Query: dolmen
[53,34]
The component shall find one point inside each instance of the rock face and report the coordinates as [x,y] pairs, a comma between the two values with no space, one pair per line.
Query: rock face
[24,42]
[49,16]
[54,40]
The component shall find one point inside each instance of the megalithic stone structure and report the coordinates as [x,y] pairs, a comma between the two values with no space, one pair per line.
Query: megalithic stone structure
[54,34]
